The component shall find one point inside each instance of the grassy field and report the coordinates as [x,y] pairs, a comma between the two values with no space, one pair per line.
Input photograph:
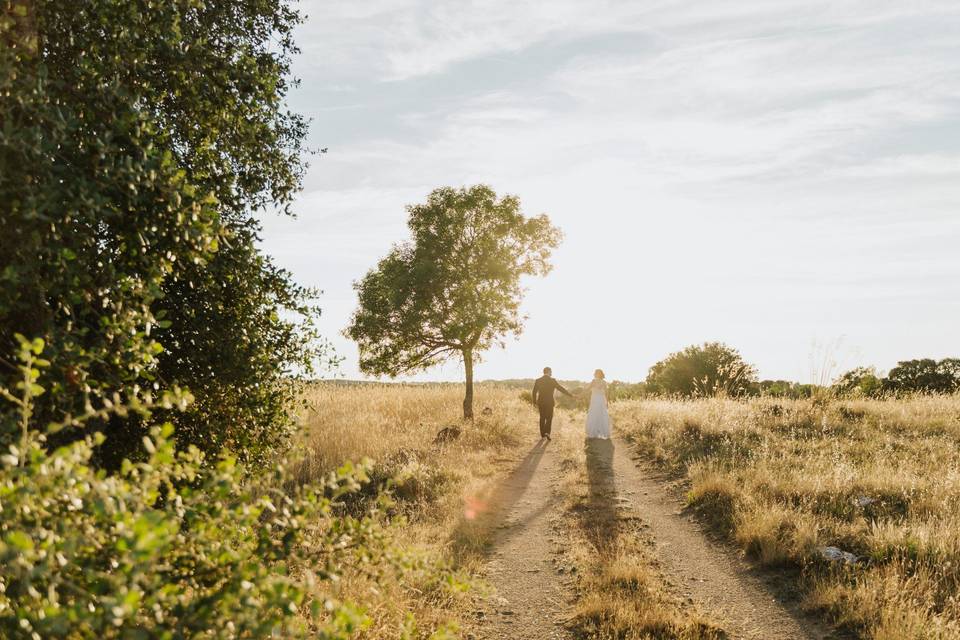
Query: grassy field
[784,479]
[781,479]
[437,488]
[441,492]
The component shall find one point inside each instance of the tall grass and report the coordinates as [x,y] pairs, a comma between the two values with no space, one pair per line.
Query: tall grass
[878,478]
[435,487]
[349,422]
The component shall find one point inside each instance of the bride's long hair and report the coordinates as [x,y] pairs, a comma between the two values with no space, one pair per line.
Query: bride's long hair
[598,374]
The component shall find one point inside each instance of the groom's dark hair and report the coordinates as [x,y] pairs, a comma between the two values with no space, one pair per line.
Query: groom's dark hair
[547,370]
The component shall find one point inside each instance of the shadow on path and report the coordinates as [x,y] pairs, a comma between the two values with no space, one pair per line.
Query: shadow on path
[598,515]
[472,536]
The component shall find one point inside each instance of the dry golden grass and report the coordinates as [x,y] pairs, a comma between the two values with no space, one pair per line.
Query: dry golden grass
[349,422]
[439,489]
[878,478]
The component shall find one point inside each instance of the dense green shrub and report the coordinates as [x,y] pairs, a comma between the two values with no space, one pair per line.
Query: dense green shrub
[139,141]
[169,547]
[702,370]
[783,389]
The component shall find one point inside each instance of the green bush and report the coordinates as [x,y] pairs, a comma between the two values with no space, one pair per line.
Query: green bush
[169,547]
[702,370]
[862,381]
[783,389]
[139,143]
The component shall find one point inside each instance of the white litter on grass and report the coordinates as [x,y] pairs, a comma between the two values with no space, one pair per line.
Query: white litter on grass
[864,501]
[833,554]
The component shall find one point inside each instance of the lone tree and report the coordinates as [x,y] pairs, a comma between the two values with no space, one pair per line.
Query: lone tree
[702,370]
[454,289]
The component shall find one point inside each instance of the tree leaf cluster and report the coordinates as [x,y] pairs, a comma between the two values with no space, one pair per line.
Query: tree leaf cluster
[171,546]
[454,289]
[139,141]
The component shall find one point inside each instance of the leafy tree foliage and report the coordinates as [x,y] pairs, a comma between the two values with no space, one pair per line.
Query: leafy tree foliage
[924,376]
[139,141]
[702,370]
[862,381]
[170,547]
[455,288]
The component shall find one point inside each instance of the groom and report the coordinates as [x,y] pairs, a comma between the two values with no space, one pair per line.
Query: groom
[543,390]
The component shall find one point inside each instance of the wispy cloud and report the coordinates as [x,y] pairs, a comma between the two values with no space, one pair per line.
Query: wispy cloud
[810,142]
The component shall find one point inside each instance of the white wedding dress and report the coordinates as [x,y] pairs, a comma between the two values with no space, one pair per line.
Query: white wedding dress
[598,419]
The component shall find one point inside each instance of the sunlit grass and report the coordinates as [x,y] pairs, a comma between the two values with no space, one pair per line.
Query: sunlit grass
[878,478]
[437,488]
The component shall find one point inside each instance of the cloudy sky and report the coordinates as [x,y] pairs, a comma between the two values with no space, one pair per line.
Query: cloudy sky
[782,176]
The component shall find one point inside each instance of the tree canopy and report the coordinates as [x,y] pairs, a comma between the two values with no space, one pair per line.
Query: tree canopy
[924,375]
[454,289]
[139,142]
[702,370]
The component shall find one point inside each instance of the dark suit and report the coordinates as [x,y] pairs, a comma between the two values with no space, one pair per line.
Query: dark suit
[543,390]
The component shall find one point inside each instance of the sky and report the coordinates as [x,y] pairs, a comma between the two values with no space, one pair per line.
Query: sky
[780,176]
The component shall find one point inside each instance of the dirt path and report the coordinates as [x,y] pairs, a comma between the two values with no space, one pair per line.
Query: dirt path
[533,600]
[713,577]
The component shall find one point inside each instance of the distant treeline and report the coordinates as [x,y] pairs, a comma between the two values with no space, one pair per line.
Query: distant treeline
[925,375]
[716,369]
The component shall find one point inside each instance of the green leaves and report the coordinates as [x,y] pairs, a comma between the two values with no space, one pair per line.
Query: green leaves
[19,541]
[711,369]
[455,288]
[136,149]
[28,348]
[91,555]
[138,145]
[170,548]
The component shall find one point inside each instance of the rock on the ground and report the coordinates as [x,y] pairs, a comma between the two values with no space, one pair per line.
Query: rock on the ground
[835,554]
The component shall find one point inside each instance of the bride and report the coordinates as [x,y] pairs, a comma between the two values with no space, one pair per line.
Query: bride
[598,419]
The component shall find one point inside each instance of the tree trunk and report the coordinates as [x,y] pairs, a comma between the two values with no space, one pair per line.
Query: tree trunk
[468,396]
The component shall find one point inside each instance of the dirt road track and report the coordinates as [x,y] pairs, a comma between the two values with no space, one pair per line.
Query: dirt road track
[533,600]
